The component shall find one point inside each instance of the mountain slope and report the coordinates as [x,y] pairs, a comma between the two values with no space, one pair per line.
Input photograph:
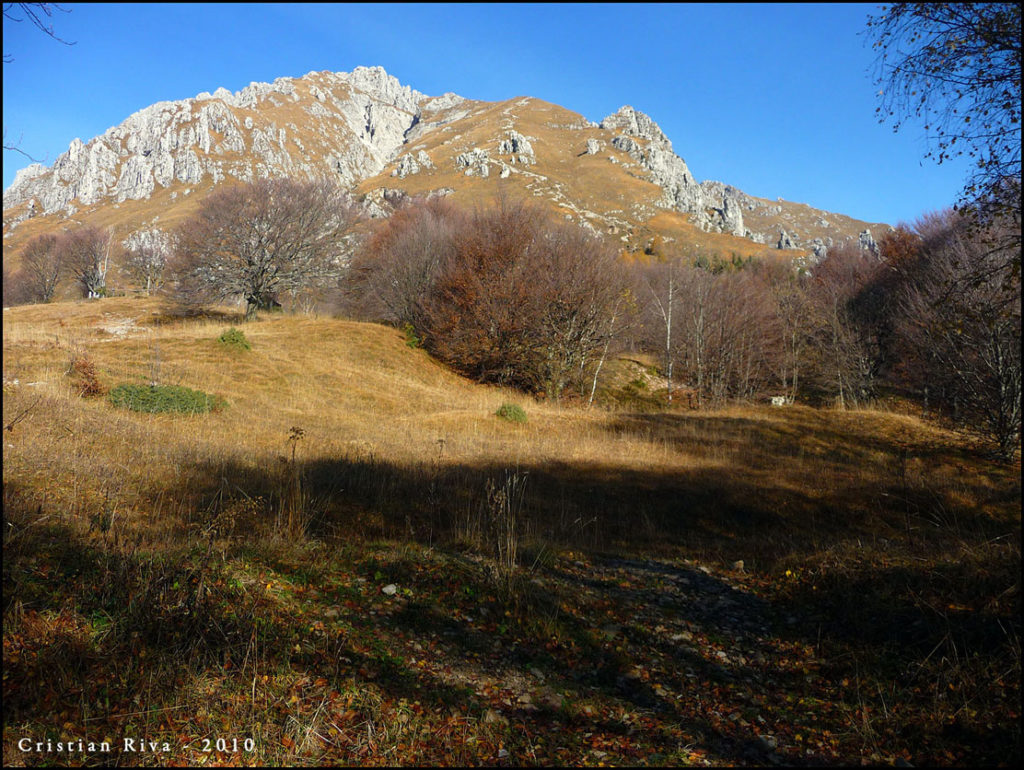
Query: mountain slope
[381,139]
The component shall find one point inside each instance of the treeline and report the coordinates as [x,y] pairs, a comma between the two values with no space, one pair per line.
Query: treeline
[506,294]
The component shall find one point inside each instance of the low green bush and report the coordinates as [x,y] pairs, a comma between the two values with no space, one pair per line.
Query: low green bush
[164,398]
[511,412]
[234,338]
[412,339]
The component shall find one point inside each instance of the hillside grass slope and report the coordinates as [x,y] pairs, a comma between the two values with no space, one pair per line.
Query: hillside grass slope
[356,561]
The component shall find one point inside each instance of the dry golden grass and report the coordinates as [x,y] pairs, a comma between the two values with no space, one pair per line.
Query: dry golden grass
[357,390]
[147,571]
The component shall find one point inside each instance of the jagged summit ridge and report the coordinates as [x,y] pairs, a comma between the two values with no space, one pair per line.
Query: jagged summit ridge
[382,140]
[223,134]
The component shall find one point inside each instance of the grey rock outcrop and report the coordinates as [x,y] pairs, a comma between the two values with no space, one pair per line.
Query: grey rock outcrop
[594,146]
[407,164]
[475,161]
[786,241]
[723,210]
[628,146]
[867,242]
[152,238]
[654,153]
[518,146]
[634,123]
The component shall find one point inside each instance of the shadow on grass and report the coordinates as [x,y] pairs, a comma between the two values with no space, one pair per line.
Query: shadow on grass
[188,608]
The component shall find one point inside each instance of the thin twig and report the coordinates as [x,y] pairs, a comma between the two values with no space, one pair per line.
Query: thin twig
[10,426]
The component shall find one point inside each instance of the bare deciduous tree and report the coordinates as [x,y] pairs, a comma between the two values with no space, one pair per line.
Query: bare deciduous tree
[662,318]
[956,67]
[696,299]
[145,258]
[742,329]
[257,240]
[503,294]
[86,253]
[961,327]
[785,347]
[482,309]
[846,352]
[42,265]
[16,289]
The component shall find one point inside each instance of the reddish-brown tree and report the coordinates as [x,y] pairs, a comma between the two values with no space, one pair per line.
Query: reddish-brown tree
[391,277]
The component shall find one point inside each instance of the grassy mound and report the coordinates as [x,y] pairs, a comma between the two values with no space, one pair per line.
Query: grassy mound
[234,338]
[511,413]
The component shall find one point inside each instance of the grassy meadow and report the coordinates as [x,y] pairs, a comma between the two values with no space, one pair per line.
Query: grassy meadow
[354,560]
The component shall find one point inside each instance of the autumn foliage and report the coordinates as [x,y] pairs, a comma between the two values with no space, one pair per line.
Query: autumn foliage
[502,294]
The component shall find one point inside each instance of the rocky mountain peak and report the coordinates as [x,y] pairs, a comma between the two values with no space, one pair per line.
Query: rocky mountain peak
[635,123]
[376,83]
[369,132]
[360,122]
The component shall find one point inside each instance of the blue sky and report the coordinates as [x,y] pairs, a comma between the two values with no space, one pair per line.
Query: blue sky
[774,99]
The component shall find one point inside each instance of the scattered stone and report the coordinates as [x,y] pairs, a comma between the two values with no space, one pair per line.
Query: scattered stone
[611,630]
[738,565]
[767,742]
[390,589]
[552,699]
[406,165]
[491,716]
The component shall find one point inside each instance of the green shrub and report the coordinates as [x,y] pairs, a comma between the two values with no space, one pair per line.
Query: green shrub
[411,338]
[164,398]
[234,338]
[511,412]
